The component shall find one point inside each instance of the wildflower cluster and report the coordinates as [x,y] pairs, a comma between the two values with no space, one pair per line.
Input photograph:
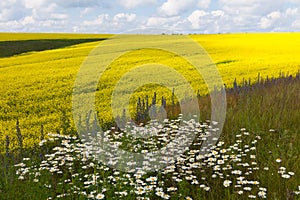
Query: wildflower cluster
[72,168]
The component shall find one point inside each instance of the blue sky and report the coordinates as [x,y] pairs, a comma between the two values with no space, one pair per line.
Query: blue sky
[128,16]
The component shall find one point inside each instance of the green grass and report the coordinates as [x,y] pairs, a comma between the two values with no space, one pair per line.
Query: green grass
[12,48]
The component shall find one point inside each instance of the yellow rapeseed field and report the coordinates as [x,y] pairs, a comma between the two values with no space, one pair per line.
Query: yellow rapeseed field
[246,55]
[48,36]
[36,87]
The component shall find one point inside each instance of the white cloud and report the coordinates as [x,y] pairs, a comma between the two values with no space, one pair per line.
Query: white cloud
[124,17]
[217,13]
[101,19]
[28,20]
[206,22]
[11,25]
[196,18]
[274,15]
[86,11]
[178,7]
[285,20]
[292,11]
[66,4]
[296,24]
[79,3]
[168,25]
[269,20]
[106,19]
[12,10]
[135,3]
[58,16]
[175,7]
[240,9]
[250,15]
[45,12]
[256,7]
[10,14]
[29,4]
[161,21]
[29,24]
[7,3]
[204,4]
[107,23]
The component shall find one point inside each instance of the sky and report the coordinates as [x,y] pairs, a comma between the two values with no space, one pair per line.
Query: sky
[138,16]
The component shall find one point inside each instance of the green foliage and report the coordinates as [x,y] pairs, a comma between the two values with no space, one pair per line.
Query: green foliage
[11,48]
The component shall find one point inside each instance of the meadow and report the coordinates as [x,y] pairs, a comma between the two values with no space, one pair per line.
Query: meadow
[260,139]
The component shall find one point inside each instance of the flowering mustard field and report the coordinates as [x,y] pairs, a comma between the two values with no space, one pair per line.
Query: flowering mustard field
[244,55]
[36,87]
[42,36]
